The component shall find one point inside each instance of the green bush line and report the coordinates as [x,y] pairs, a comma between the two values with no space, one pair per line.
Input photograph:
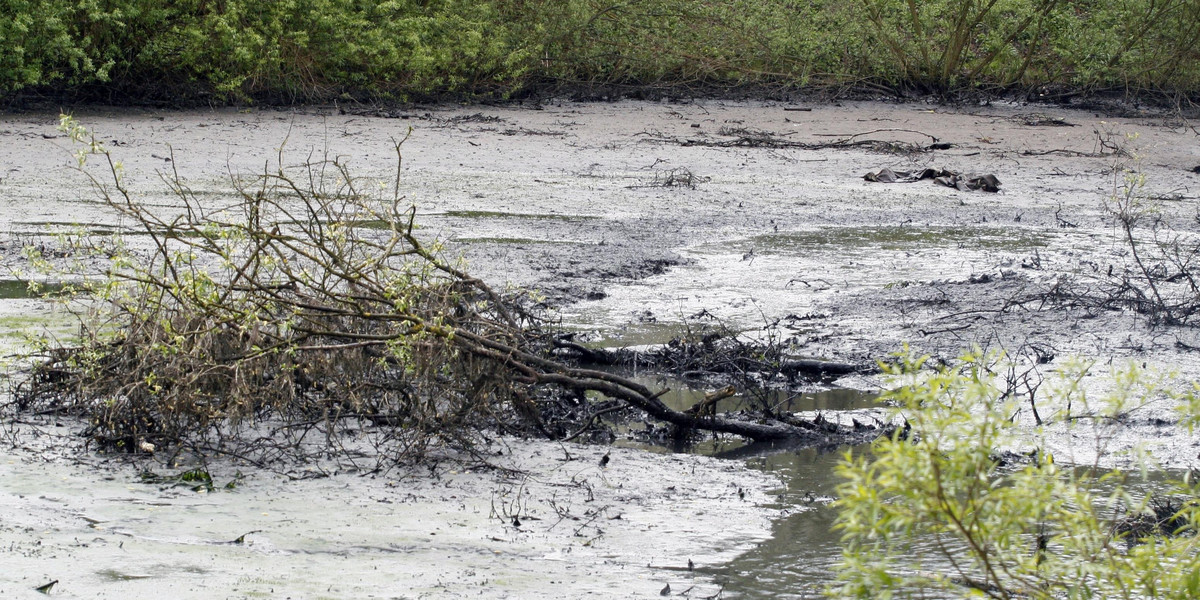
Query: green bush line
[284,51]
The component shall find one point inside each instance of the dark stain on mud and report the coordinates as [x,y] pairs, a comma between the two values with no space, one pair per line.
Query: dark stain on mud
[562,278]
[487,214]
[898,238]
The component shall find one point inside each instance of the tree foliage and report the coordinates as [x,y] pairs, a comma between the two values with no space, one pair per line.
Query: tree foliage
[307,50]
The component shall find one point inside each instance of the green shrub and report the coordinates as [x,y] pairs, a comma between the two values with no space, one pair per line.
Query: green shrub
[38,45]
[935,510]
[299,50]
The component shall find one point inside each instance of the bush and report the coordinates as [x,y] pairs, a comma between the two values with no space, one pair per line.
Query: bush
[299,50]
[302,314]
[937,507]
[239,50]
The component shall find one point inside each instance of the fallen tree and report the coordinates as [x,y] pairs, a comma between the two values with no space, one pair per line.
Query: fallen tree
[308,309]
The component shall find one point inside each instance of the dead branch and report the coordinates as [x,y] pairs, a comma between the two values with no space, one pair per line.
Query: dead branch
[849,137]
[309,306]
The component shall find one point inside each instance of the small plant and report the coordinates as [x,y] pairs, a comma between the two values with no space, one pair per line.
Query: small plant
[268,328]
[1156,270]
[677,177]
[197,480]
[1162,280]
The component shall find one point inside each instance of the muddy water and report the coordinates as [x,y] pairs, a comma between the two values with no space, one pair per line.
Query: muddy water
[799,558]
[11,289]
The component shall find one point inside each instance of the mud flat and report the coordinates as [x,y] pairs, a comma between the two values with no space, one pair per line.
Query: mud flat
[562,528]
[631,217]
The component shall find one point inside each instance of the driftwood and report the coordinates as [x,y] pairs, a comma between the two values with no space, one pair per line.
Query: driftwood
[789,367]
[946,177]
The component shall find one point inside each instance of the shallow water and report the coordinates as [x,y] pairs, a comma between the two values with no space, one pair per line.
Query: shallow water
[798,560]
[11,289]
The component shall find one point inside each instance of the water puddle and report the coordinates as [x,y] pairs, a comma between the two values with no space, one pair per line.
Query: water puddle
[102,230]
[799,558]
[486,214]
[14,289]
[117,575]
[76,228]
[28,317]
[516,241]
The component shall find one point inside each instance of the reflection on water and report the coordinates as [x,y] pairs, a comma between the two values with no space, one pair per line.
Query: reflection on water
[798,560]
[683,395]
[15,288]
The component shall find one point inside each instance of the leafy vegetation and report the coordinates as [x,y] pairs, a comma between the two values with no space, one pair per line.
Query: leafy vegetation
[309,50]
[938,509]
